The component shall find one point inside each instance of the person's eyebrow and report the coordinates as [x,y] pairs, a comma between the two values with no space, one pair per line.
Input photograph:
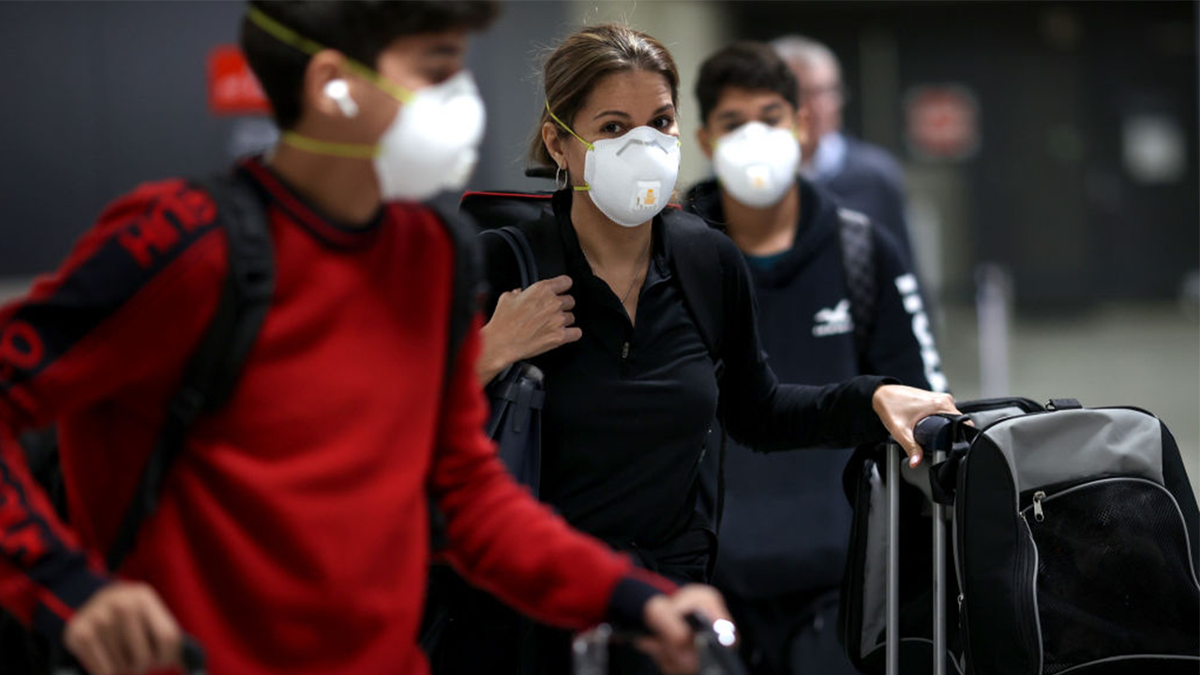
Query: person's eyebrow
[772,106]
[625,115]
[617,113]
[728,115]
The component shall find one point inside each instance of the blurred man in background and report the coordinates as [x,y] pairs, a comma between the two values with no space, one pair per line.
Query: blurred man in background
[863,176]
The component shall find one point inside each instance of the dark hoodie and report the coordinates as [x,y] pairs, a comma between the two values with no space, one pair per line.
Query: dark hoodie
[786,522]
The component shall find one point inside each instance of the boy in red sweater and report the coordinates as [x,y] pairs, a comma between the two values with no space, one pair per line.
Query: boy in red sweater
[292,531]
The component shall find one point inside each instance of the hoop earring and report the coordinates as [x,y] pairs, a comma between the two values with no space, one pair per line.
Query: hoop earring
[561,179]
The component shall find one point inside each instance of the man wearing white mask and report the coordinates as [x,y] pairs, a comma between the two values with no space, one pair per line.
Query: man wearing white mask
[863,176]
[836,299]
[291,529]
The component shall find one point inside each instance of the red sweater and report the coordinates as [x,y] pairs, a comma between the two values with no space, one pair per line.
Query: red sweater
[292,532]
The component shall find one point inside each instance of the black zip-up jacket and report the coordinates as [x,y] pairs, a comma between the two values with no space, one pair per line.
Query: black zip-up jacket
[628,407]
[786,521]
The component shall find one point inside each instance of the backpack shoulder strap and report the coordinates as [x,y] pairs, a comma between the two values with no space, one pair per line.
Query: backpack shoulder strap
[463,303]
[701,275]
[858,259]
[545,245]
[213,369]
[465,294]
[521,250]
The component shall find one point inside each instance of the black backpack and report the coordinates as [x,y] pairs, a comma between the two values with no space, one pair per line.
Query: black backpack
[1076,540]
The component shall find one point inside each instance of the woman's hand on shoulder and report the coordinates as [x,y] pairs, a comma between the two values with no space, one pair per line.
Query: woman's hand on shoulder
[900,408]
[527,323]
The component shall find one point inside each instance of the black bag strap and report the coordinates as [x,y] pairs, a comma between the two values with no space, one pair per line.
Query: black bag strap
[858,260]
[463,306]
[216,364]
[943,476]
[701,276]
[522,252]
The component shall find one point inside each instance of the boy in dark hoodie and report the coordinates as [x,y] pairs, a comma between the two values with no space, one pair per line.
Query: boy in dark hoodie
[836,299]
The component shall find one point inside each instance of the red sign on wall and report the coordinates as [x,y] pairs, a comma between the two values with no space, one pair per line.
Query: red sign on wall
[942,122]
[232,88]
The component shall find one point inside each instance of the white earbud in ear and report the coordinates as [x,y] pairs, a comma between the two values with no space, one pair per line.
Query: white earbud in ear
[339,91]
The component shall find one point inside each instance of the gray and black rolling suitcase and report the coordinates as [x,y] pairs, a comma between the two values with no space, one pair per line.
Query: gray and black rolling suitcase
[1073,544]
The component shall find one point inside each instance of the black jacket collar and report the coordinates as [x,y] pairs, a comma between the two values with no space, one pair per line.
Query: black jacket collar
[817,224]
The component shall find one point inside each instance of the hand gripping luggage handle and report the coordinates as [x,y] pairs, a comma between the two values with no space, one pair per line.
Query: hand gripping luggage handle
[714,642]
[191,654]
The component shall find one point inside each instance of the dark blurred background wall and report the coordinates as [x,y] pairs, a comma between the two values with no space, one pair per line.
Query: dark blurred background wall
[1061,89]
[103,95]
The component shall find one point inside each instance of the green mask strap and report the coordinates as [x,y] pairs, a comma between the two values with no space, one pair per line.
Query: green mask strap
[589,146]
[293,39]
[316,146]
[299,42]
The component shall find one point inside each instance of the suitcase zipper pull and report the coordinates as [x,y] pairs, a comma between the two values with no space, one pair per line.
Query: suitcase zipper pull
[1038,514]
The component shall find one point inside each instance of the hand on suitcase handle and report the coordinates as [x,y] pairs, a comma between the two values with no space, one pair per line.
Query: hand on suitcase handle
[900,408]
[714,642]
[126,627]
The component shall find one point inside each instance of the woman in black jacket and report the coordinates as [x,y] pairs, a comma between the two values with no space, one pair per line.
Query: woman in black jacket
[633,383]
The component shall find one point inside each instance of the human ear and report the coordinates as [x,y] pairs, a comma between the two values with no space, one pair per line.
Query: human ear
[554,144]
[326,90]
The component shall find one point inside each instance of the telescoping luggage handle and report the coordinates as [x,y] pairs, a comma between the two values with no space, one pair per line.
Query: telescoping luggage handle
[714,642]
[931,434]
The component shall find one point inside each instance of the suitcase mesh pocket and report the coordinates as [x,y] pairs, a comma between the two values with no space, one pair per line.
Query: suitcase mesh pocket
[1115,577]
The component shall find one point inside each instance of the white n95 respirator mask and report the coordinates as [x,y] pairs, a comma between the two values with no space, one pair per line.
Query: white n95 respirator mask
[757,164]
[630,178]
[430,145]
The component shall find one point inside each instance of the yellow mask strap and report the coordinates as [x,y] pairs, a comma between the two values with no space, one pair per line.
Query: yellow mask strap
[589,146]
[554,117]
[293,39]
[349,150]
